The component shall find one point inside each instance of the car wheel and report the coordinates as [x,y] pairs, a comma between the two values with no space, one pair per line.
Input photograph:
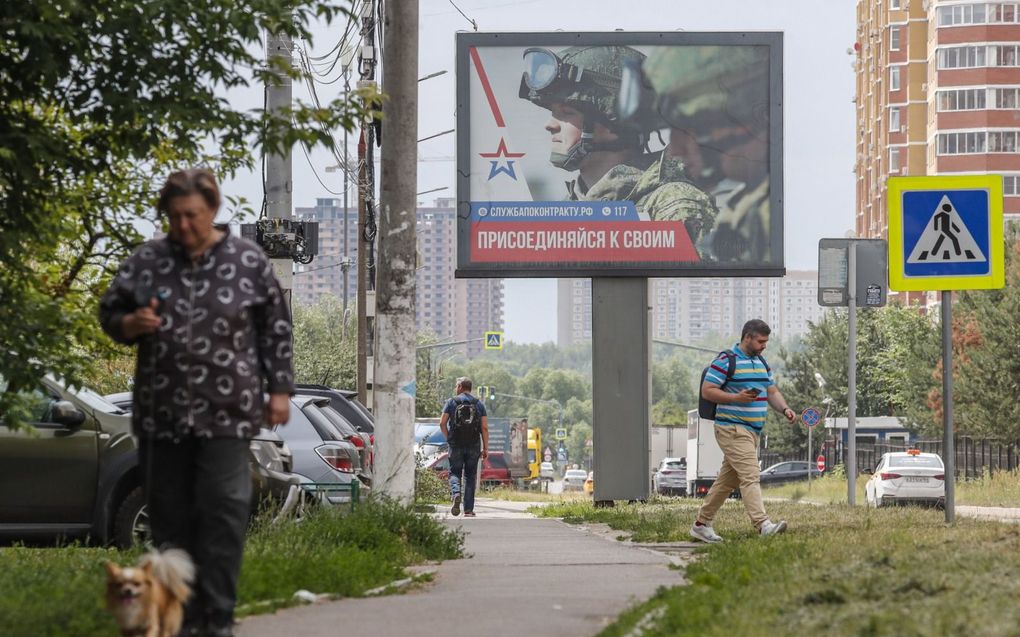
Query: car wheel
[131,522]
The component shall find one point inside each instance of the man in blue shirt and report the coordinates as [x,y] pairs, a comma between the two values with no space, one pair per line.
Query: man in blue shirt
[466,427]
[742,404]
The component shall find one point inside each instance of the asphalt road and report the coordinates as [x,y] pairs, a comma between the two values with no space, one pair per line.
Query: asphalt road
[524,576]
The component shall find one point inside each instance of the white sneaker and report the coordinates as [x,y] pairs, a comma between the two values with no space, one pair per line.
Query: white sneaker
[772,528]
[705,533]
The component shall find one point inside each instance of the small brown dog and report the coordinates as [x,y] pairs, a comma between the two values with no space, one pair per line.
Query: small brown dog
[148,600]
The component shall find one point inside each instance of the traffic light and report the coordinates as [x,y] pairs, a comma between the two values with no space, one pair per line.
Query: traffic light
[490,391]
[483,392]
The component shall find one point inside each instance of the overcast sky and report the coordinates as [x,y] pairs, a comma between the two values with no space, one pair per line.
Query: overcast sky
[818,112]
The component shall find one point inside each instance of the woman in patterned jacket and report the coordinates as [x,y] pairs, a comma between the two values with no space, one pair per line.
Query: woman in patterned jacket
[213,332]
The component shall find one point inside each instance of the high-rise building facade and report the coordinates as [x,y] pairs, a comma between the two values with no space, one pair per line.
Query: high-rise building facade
[690,309]
[454,309]
[938,93]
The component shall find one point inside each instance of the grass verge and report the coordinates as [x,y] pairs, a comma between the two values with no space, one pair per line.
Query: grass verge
[515,495]
[55,592]
[839,571]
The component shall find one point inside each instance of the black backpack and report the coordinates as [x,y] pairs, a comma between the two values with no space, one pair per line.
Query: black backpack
[706,408]
[466,424]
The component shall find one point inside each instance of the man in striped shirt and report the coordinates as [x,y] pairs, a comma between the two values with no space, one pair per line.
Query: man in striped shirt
[742,404]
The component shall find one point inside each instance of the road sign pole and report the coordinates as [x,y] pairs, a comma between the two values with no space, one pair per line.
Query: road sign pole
[851,371]
[948,448]
[809,430]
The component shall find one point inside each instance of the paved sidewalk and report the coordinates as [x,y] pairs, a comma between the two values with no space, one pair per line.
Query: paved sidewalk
[1000,514]
[524,576]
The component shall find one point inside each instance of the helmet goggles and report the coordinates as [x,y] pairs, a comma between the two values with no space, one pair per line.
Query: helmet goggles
[546,77]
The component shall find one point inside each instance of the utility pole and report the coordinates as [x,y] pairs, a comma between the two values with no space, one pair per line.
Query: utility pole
[279,180]
[366,216]
[395,364]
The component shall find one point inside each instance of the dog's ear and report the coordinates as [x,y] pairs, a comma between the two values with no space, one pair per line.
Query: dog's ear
[112,570]
[147,568]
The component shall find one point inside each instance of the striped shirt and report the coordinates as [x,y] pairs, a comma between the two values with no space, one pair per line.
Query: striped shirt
[750,373]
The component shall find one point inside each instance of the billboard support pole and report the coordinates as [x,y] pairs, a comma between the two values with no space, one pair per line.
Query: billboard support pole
[621,387]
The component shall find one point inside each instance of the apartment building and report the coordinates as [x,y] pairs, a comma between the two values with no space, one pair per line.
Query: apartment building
[691,309]
[938,92]
[454,309]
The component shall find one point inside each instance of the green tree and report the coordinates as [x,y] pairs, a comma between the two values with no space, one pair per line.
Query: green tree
[100,100]
[673,390]
[325,349]
[986,357]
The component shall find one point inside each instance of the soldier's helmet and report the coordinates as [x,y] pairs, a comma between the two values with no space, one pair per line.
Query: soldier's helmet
[702,86]
[587,78]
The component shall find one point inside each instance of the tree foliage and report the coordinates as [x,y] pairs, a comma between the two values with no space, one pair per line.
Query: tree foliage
[100,101]
[986,357]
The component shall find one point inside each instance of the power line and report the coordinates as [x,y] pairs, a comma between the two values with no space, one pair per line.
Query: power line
[473,23]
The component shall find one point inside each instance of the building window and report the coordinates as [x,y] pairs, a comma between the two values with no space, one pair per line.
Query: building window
[1002,141]
[894,4]
[962,99]
[894,119]
[1007,97]
[1006,55]
[961,143]
[961,57]
[1004,12]
[962,14]
[894,39]
[1011,185]
[894,160]
[894,78]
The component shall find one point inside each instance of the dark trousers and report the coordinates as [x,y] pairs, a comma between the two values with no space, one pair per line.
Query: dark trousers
[199,497]
[464,460]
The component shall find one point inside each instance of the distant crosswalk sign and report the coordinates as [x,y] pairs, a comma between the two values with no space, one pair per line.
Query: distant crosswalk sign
[494,340]
[945,233]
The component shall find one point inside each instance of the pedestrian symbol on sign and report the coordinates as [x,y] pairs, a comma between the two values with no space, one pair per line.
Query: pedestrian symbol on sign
[946,239]
[494,340]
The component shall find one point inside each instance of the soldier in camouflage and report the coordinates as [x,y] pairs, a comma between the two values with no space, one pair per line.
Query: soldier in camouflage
[580,88]
[715,99]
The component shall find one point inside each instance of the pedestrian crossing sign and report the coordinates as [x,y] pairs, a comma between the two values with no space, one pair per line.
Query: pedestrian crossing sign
[494,340]
[946,233]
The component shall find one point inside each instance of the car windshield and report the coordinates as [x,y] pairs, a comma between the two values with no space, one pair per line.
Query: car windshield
[97,402]
[675,465]
[497,461]
[341,423]
[902,462]
[575,473]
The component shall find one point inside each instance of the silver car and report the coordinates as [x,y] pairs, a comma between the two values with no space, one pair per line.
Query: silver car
[573,479]
[670,477]
[329,464]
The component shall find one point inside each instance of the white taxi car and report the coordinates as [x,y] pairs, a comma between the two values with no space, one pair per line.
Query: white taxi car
[908,477]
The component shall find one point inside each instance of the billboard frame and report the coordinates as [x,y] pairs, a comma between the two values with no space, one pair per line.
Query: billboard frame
[773,39]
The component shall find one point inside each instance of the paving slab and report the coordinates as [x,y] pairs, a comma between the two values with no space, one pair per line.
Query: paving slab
[524,575]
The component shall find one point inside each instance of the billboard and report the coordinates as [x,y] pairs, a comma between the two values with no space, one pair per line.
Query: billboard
[619,154]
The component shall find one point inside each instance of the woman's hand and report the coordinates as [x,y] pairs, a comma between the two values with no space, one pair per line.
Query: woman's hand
[142,322]
[278,409]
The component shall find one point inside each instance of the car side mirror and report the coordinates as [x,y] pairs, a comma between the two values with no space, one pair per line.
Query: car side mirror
[65,413]
[655,470]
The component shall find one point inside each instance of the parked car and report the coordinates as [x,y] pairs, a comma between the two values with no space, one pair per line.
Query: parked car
[429,439]
[346,402]
[273,484]
[670,477]
[792,471]
[907,477]
[494,472]
[546,471]
[355,419]
[573,479]
[589,483]
[323,455]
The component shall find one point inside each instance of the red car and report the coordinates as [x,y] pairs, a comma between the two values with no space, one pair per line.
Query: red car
[495,471]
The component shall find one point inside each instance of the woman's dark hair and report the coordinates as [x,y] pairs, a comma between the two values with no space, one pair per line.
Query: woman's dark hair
[757,327]
[193,181]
